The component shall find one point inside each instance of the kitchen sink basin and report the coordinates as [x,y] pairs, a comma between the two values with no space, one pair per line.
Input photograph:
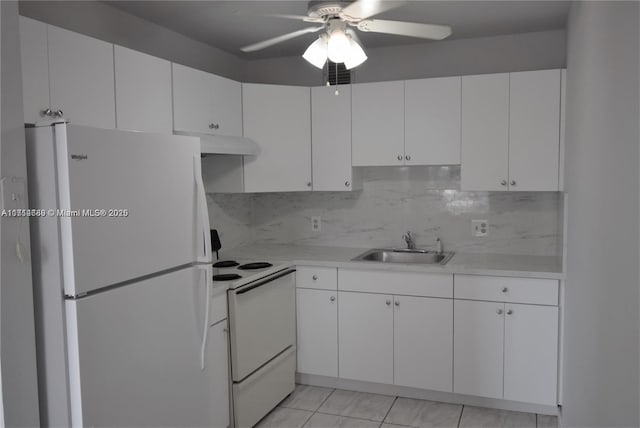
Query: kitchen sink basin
[405,256]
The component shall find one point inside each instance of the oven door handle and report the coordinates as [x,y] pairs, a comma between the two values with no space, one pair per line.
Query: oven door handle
[264,281]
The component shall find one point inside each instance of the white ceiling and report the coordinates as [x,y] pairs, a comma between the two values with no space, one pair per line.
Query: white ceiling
[230,25]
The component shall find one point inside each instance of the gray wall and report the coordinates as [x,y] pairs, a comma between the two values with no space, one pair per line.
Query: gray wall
[601,375]
[18,355]
[107,23]
[515,52]
[528,51]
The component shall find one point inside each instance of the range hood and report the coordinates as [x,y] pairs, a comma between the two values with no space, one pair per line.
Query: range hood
[223,144]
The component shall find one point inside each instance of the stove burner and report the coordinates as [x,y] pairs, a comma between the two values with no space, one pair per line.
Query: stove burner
[257,265]
[226,277]
[225,264]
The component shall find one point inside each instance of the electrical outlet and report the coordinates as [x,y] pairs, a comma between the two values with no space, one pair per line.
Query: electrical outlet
[316,223]
[479,228]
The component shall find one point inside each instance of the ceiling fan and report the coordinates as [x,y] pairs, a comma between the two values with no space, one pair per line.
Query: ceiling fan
[338,19]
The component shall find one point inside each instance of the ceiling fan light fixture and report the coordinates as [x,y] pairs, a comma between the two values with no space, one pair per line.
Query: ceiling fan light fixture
[316,54]
[356,56]
[338,46]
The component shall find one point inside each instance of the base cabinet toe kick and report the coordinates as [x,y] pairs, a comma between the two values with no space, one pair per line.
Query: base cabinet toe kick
[459,336]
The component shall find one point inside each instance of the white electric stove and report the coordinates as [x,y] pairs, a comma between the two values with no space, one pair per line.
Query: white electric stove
[261,299]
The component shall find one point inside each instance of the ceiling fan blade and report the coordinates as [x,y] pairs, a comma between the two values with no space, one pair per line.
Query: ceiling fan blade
[296,17]
[363,9]
[275,40]
[411,29]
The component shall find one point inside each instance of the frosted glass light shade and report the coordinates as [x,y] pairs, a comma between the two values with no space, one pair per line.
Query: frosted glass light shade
[339,46]
[316,53]
[356,55]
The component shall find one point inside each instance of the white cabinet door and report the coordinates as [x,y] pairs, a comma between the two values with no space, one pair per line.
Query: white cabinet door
[331,138]
[317,314]
[35,68]
[531,353]
[432,121]
[278,118]
[365,337]
[423,343]
[485,132]
[478,348]
[534,130]
[218,364]
[206,103]
[143,92]
[81,78]
[378,123]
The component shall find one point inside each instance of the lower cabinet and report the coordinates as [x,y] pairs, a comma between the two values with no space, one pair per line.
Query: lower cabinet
[507,351]
[365,337]
[531,353]
[317,314]
[399,340]
[478,349]
[423,342]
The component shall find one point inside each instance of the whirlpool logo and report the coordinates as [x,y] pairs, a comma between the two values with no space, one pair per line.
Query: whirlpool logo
[78,157]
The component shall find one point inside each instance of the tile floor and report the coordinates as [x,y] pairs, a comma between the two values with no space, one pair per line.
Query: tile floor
[315,407]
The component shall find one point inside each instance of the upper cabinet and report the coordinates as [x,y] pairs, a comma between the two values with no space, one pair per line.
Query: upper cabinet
[81,78]
[278,118]
[534,130]
[511,131]
[331,139]
[143,92]
[432,121]
[206,103]
[485,132]
[66,74]
[378,124]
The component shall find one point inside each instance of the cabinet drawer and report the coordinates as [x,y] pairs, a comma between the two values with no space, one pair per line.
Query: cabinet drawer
[504,289]
[323,278]
[400,283]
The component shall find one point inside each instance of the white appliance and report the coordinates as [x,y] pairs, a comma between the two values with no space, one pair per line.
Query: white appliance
[123,331]
[262,335]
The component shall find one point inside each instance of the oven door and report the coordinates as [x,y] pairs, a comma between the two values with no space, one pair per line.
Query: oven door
[262,322]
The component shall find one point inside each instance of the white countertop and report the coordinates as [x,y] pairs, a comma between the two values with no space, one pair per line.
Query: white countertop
[549,267]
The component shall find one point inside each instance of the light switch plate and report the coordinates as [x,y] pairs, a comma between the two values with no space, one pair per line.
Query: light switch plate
[13,194]
[479,228]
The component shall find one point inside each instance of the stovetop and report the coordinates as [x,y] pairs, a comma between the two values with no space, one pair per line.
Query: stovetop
[236,274]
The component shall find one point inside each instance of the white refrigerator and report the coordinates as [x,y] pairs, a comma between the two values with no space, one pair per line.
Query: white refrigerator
[121,268]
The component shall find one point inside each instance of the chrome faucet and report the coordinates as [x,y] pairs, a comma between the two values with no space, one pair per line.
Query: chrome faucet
[438,246]
[408,238]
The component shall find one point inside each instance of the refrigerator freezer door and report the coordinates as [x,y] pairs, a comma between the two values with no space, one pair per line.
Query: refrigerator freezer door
[145,187]
[137,356]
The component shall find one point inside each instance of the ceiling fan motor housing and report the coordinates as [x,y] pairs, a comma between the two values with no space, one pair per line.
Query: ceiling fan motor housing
[321,9]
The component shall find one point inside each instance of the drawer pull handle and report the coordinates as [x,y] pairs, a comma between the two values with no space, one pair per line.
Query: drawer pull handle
[333,298]
[505,289]
[397,302]
[314,277]
[509,312]
[499,312]
[388,302]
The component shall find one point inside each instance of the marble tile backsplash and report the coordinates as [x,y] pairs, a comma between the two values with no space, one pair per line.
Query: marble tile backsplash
[424,200]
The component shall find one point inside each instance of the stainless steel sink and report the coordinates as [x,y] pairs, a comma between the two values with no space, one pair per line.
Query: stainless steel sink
[385,255]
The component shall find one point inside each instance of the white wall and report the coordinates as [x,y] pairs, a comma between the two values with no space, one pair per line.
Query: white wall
[514,52]
[102,21]
[601,377]
[18,358]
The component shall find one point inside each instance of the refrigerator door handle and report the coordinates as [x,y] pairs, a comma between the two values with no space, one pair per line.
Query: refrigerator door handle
[208,275]
[203,211]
